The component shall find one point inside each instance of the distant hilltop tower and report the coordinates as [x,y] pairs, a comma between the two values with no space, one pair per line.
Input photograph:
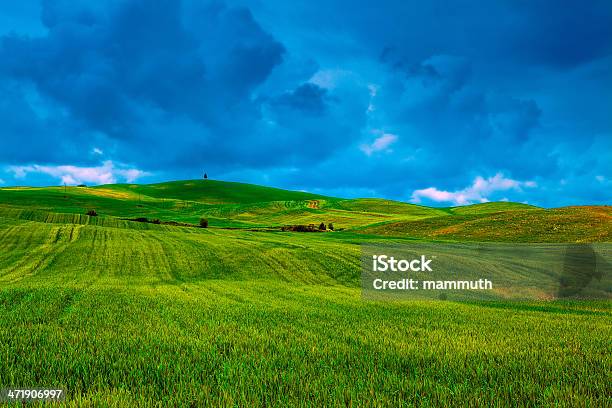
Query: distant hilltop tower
[205,176]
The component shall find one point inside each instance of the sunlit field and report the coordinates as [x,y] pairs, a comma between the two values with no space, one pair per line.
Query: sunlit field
[126,313]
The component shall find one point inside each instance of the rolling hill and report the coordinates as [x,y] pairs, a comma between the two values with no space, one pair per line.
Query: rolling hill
[570,224]
[123,313]
[211,192]
[240,205]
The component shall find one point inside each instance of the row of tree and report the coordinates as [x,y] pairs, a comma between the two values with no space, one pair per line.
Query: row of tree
[308,228]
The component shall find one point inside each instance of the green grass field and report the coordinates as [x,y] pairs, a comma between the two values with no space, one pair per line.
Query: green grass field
[123,313]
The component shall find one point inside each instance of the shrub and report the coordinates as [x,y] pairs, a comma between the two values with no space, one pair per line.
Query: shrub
[330,226]
[92,213]
[300,228]
[141,219]
[322,227]
[203,222]
[82,185]
[156,221]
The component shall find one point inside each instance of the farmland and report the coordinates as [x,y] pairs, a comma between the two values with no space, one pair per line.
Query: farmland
[126,313]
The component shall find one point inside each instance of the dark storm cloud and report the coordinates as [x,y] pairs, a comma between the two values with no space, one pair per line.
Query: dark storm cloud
[100,65]
[387,98]
[534,32]
[307,97]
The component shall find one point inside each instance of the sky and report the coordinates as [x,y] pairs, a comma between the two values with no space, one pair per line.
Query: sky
[436,103]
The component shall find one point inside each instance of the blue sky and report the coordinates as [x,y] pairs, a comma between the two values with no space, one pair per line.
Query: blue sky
[439,103]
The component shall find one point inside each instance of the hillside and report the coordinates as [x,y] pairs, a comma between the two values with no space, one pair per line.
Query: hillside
[212,192]
[570,224]
[225,204]
[240,205]
[123,313]
[484,208]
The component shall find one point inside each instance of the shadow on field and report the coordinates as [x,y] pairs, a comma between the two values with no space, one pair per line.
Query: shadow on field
[579,269]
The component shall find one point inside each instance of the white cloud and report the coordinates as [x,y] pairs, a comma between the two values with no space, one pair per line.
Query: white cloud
[108,173]
[20,171]
[130,174]
[373,90]
[476,193]
[381,143]
[97,150]
[329,78]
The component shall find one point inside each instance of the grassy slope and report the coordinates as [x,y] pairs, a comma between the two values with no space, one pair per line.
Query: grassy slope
[570,224]
[120,315]
[223,203]
[128,313]
[213,192]
[485,208]
[248,206]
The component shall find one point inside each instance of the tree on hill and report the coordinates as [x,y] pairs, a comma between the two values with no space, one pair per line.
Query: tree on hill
[204,222]
[205,176]
[330,226]
[322,226]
